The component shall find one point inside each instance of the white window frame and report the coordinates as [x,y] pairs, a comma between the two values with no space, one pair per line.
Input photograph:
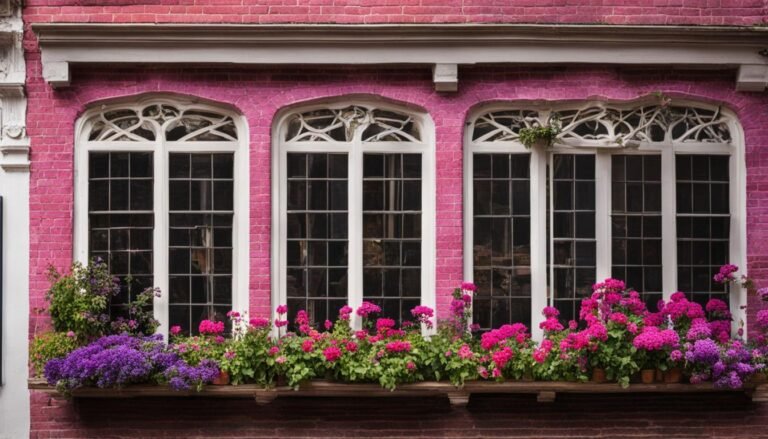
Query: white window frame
[354,150]
[540,296]
[161,150]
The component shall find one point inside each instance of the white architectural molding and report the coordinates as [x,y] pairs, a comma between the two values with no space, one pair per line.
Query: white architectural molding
[443,46]
[752,77]
[14,188]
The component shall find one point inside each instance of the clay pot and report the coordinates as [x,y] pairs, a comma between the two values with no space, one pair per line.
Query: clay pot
[647,376]
[659,375]
[673,375]
[758,378]
[598,375]
[222,379]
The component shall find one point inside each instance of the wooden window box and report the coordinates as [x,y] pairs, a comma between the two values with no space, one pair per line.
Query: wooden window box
[545,391]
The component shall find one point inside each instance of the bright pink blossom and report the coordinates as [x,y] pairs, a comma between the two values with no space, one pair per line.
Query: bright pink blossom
[332,353]
[368,308]
[282,309]
[259,323]
[307,345]
[465,352]
[208,327]
[398,346]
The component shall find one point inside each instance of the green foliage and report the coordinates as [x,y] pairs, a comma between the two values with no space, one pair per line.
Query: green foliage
[248,359]
[547,134]
[197,348]
[440,360]
[558,365]
[79,300]
[617,355]
[45,347]
[140,320]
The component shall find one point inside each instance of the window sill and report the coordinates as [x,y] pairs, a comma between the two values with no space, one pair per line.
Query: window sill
[544,391]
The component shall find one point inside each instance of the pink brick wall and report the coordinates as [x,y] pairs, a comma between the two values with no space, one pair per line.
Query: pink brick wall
[696,12]
[259,94]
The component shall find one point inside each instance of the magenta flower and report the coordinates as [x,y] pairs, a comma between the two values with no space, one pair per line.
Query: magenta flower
[307,345]
[367,308]
[328,325]
[208,327]
[274,350]
[465,352]
[351,346]
[383,325]
[468,286]
[502,357]
[345,312]
[423,314]
[259,323]
[395,347]
[281,323]
[550,312]
[282,309]
[332,353]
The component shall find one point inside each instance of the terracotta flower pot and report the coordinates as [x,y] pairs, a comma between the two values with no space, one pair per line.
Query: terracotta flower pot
[659,375]
[598,375]
[222,379]
[647,376]
[759,378]
[673,375]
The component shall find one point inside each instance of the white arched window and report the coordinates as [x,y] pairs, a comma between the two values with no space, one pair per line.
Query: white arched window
[162,197]
[353,209]
[651,193]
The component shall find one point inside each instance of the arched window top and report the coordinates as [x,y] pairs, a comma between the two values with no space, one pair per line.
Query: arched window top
[173,122]
[348,123]
[605,125]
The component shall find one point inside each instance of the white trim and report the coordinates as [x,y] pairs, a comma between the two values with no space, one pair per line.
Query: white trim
[667,151]
[355,148]
[441,47]
[161,150]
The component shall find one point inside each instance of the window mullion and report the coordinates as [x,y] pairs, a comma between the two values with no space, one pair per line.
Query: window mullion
[668,222]
[539,240]
[355,231]
[160,236]
[603,215]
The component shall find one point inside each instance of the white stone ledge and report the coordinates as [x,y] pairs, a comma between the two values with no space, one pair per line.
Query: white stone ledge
[443,47]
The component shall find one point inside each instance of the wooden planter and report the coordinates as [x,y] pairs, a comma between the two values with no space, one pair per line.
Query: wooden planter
[545,391]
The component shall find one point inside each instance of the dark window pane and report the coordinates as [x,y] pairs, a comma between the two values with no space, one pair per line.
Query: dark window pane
[391,238]
[702,238]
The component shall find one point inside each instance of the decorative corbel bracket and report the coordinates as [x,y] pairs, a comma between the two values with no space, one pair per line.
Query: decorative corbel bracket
[446,77]
[752,77]
[56,73]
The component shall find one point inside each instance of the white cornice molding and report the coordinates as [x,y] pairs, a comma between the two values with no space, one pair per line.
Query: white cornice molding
[442,46]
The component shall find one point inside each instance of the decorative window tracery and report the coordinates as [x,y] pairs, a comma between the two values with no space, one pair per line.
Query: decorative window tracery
[601,125]
[344,124]
[162,207]
[177,123]
[353,193]
[648,192]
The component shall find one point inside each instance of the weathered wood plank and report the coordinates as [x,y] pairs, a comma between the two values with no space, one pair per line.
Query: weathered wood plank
[545,391]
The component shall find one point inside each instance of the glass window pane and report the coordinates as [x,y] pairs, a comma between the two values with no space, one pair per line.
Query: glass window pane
[501,247]
[316,268]
[572,230]
[636,218]
[703,223]
[121,221]
[392,237]
[200,249]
